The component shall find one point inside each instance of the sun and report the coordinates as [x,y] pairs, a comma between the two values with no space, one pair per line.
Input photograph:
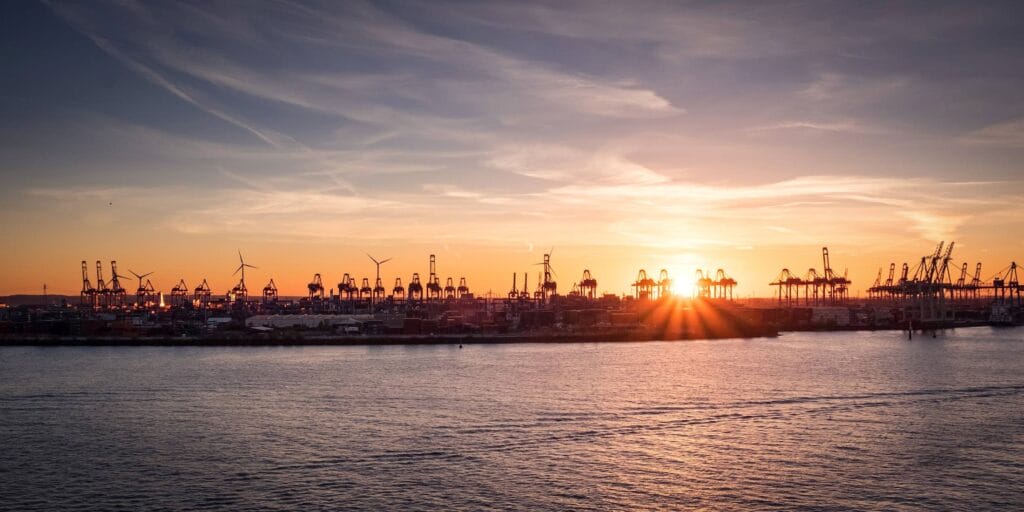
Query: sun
[683,283]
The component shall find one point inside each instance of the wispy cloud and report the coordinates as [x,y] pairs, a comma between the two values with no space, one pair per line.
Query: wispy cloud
[682,214]
[566,164]
[162,81]
[1009,134]
[851,89]
[819,126]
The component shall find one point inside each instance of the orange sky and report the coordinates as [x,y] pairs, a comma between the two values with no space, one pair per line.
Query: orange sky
[652,136]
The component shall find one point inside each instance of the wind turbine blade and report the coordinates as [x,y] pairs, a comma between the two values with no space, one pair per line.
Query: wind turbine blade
[250,266]
[385,261]
[240,260]
[237,269]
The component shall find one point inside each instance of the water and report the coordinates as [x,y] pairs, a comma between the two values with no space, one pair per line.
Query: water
[806,421]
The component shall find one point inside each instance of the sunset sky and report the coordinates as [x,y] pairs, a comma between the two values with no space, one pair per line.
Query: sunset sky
[625,135]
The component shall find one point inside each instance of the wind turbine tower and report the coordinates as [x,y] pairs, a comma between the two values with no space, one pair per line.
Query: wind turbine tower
[378,287]
[240,292]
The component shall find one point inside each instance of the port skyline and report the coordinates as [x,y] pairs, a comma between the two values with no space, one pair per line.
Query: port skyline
[494,270]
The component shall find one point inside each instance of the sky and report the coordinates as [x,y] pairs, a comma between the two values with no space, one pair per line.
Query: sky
[620,135]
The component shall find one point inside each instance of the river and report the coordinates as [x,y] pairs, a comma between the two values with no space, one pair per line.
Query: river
[847,420]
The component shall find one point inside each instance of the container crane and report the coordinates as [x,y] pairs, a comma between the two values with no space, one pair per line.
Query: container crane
[449,289]
[524,294]
[201,294]
[398,292]
[433,282]
[365,291]
[785,281]
[270,292]
[88,295]
[415,288]
[102,292]
[346,287]
[644,285]
[975,285]
[117,292]
[316,288]
[513,294]
[664,284]
[179,294]
[588,285]
[725,285]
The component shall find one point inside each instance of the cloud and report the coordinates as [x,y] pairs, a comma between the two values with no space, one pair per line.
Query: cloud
[567,164]
[655,215]
[454,191]
[451,70]
[817,126]
[851,89]
[158,79]
[935,225]
[1008,134]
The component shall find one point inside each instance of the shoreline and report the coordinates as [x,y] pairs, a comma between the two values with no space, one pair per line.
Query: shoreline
[261,339]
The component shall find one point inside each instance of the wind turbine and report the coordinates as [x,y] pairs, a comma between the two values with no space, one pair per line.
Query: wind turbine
[547,263]
[241,268]
[377,283]
[139,277]
[140,292]
[548,286]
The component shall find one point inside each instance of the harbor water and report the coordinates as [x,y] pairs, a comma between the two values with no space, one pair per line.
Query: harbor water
[832,421]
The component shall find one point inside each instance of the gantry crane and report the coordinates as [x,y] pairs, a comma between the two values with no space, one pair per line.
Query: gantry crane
[88,295]
[102,292]
[316,288]
[365,292]
[449,289]
[415,288]
[513,294]
[398,291]
[434,282]
[588,285]
[270,292]
[644,285]
[117,292]
[347,287]
[664,284]
[724,285]
[201,294]
[179,294]
[524,294]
